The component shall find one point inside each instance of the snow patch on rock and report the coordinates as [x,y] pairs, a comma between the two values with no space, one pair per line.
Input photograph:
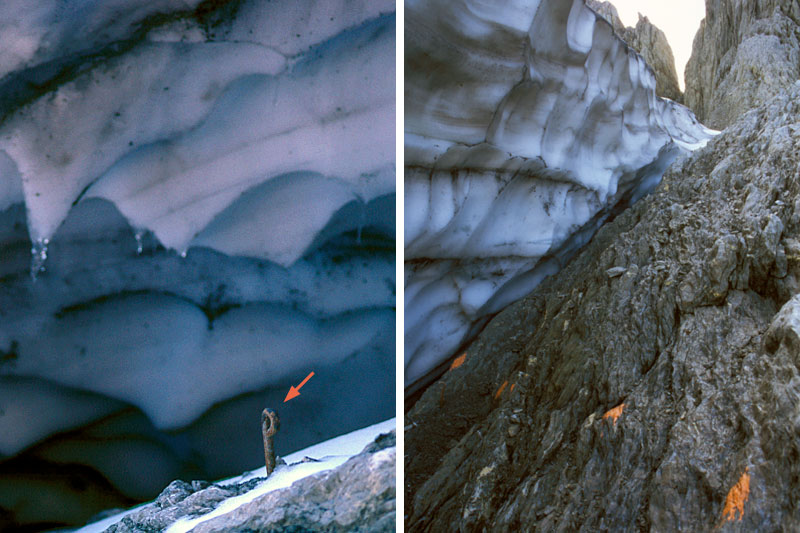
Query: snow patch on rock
[328,454]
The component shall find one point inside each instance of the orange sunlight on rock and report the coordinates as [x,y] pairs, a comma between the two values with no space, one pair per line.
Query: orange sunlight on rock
[458,361]
[736,498]
[614,413]
[501,389]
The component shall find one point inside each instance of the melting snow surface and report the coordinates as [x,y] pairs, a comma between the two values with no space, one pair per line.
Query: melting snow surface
[525,122]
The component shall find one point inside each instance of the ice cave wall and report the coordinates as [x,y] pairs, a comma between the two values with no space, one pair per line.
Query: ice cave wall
[196,210]
[525,123]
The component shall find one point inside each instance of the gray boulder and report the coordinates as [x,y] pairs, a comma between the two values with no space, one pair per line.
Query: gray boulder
[178,500]
[357,496]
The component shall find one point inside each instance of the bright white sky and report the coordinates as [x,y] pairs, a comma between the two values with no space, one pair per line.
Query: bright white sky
[678,19]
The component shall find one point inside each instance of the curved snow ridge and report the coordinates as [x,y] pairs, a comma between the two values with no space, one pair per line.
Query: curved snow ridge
[341,296]
[173,133]
[24,401]
[114,347]
[292,232]
[10,184]
[39,48]
[526,122]
[550,80]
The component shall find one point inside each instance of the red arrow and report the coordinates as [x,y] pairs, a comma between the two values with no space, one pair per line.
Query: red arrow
[295,392]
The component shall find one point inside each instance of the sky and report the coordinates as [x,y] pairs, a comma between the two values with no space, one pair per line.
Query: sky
[678,19]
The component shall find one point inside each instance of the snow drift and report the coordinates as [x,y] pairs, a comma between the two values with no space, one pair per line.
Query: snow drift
[196,210]
[525,123]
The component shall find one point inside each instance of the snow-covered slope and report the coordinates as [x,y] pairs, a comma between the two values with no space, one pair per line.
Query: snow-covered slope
[326,456]
[525,121]
[196,211]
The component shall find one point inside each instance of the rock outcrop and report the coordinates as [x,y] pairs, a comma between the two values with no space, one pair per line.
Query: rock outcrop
[178,500]
[525,124]
[359,495]
[608,12]
[654,383]
[744,53]
[652,45]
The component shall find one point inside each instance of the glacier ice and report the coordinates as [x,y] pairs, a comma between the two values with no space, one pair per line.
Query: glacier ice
[204,193]
[526,124]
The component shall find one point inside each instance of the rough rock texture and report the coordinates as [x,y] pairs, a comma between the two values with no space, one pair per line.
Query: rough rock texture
[179,499]
[608,12]
[743,54]
[356,496]
[653,384]
[651,43]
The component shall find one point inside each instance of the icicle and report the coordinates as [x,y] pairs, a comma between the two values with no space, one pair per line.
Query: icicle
[38,257]
[138,234]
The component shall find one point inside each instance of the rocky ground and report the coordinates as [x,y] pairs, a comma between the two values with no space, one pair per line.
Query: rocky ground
[653,384]
[359,495]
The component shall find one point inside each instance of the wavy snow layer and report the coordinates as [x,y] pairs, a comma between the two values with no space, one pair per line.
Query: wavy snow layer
[208,190]
[525,122]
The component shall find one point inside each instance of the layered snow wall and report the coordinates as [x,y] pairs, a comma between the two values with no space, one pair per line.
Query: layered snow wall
[196,210]
[526,122]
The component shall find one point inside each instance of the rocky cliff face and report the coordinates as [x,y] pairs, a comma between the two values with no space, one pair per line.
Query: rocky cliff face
[651,43]
[608,12]
[651,385]
[744,53]
[357,496]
